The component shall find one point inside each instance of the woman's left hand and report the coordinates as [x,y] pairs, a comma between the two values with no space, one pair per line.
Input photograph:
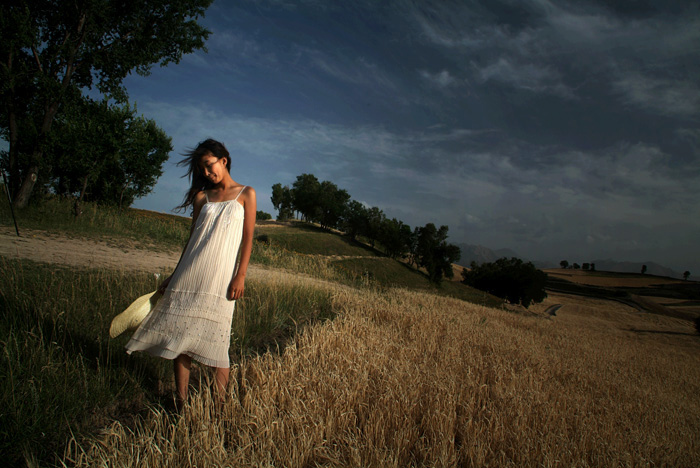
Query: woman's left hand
[235,288]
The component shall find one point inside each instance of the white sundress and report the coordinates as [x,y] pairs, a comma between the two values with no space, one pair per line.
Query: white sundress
[194,317]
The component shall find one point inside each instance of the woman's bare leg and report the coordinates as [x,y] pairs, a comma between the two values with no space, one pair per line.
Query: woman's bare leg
[221,377]
[181,366]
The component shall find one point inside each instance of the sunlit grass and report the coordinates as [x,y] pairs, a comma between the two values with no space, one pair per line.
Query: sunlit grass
[409,379]
[61,374]
[144,228]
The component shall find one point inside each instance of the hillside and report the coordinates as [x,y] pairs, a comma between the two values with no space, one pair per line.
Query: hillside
[332,367]
[650,293]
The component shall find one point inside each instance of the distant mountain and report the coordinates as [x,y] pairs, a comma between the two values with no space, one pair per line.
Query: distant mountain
[480,254]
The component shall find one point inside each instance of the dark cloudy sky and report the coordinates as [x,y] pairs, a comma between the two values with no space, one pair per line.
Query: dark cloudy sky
[559,129]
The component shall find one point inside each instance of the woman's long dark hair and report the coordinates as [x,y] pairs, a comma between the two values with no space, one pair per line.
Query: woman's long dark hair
[194,171]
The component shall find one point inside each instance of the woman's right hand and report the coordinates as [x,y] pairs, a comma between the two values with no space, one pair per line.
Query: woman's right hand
[164,284]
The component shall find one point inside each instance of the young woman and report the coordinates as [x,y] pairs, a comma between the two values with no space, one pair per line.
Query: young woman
[193,318]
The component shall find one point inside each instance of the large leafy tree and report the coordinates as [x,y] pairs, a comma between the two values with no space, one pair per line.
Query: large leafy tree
[511,279]
[306,196]
[332,204]
[395,237]
[282,201]
[433,253]
[105,152]
[49,49]
[375,220]
[354,219]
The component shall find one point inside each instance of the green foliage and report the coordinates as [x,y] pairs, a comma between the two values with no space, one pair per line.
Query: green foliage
[354,220]
[686,275]
[513,280]
[282,201]
[305,196]
[396,237]
[564,264]
[375,220]
[331,204]
[262,216]
[51,50]
[105,153]
[433,253]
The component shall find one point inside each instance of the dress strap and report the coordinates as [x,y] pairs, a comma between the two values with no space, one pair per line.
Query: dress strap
[206,195]
[239,193]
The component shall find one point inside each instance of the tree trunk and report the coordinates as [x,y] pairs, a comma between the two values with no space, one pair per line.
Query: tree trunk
[25,190]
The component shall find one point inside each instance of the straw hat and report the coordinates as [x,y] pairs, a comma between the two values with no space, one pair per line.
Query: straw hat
[132,317]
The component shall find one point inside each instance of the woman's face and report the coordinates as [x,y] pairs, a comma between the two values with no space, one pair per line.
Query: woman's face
[213,168]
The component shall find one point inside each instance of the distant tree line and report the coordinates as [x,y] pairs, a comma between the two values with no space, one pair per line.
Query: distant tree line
[324,203]
[586,266]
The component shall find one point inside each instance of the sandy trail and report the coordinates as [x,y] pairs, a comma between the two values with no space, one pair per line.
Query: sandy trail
[117,254]
[53,247]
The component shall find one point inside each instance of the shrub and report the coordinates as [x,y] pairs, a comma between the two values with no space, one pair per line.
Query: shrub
[513,280]
[263,239]
[262,216]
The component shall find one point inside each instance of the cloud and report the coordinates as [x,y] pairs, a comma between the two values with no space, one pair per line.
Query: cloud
[442,79]
[664,96]
[527,76]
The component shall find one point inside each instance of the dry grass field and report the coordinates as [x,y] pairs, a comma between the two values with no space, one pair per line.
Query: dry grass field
[401,378]
[653,293]
[619,280]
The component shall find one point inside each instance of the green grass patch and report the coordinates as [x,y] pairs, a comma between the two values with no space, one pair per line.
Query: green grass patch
[61,374]
[145,228]
[312,240]
[387,272]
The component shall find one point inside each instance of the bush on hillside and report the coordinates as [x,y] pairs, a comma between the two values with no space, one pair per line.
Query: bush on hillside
[514,280]
[262,216]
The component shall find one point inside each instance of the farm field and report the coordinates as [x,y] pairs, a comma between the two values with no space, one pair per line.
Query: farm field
[657,294]
[333,371]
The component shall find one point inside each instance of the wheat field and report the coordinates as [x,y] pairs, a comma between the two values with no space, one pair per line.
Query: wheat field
[403,378]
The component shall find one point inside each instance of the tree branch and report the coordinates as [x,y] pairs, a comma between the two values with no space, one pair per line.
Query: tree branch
[36,57]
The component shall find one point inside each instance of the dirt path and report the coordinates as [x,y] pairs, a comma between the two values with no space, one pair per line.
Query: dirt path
[52,247]
[117,254]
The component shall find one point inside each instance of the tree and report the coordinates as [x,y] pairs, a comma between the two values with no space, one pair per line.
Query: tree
[586,266]
[262,216]
[576,266]
[332,204]
[305,196]
[686,275]
[375,220]
[564,264]
[513,280]
[282,201]
[592,266]
[354,219]
[51,49]
[395,237]
[644,269]
[434,253]
[97,141]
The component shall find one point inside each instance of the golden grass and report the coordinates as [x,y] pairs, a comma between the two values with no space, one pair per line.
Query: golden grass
[410,379]
[612,281]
